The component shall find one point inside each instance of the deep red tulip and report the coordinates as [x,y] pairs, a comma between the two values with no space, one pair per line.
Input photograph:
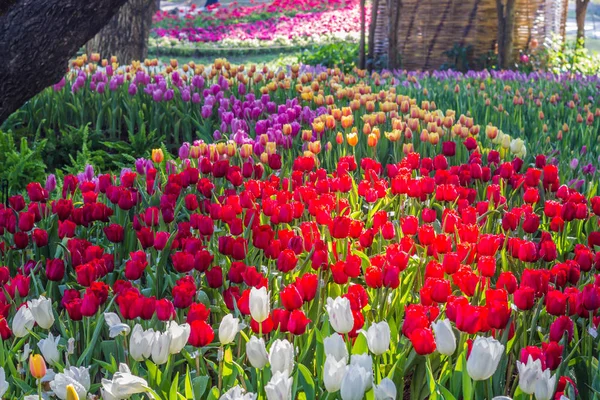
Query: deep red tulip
[297,322]
[201,334]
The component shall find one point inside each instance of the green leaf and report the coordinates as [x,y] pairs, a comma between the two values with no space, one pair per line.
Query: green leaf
[306,381]
[199,385]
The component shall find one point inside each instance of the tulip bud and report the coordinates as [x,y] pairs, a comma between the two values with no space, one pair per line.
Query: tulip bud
[228,328]
[279,387]
[484,358]
[529,374]
[37,366]
[444,337]
[333,373]
[378,337]
[41,309]
[335,346]
[72,393]
[386,390]
[544,387]
[157,156]
[259,304]
[281,357]
[340,314]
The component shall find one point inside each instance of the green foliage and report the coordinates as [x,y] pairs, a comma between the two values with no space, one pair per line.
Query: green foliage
[458,58]
[342,55]
[20,164]
[573,57]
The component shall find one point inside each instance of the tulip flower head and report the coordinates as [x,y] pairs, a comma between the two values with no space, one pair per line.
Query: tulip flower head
[484,358]
[37,366]
[340,314]
[259,304]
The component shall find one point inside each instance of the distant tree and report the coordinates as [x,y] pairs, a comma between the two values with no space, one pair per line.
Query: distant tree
[580,13]
[361,45]
[394,7]
[126,34]
[506,28]
[37,39]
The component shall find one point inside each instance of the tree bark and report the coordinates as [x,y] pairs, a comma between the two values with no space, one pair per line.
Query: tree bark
[37,38]
[361,45]
[372,27]
[126,35]
[506,29]
[394,7]
[580,12]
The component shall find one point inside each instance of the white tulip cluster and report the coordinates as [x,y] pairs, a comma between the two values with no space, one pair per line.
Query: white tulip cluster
[158,345]
[123,385]
[356,378]
[533,380]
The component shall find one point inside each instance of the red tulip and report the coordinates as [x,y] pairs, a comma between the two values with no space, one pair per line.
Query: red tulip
[297,322]
[114,233]
[291,298]
[40,237]
[165,310]
[55,269]
[423,341]
[201,334]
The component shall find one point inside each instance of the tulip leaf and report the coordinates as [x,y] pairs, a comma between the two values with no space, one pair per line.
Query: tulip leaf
[199,385]
[306,381]
[189,392]
[360,345]
[213,394]
[173,389]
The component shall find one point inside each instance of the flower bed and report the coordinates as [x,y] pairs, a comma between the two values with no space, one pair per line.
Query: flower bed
[280,25]
[335,238]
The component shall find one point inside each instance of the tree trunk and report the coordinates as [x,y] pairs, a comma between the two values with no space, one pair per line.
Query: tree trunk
[37,38]
[506,28]
[394,7]
[126,35]
[361,46]
[580,12]
[372,27]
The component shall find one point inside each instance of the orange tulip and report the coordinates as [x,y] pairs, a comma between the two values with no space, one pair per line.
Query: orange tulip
[157,156]
[37,366]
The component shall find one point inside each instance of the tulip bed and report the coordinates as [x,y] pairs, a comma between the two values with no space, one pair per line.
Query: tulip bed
[281,23]
[341,236]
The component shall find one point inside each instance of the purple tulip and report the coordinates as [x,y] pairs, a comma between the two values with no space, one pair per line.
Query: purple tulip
[51,183]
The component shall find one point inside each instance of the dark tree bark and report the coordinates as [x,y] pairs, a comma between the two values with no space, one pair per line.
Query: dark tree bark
[361,45]
[394,7]
[372,27]
[37,38]
[580,12]
[506,28]
[126,35]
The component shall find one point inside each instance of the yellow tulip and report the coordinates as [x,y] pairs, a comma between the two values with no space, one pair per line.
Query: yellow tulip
[37,366]
[72,393]
[157,156]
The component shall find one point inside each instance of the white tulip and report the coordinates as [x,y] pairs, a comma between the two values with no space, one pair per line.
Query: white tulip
[445,341]
[24,355]
[336,347]
[257,352]
[354,384]
[179,336]
[340,314]
[378,337]
[71,346]
[333,373]
[386,390]
[544,387]
[501,398]
[529,373]
[160,347]
[41,309]
[365,362]
[281,357]
[259,304]
[123,384]
[140,343]
[228,328]
[279,387]
[115,326]
[49,349]
[22,322]
[79,378]
[484,359]
[3,382]
[237,393]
